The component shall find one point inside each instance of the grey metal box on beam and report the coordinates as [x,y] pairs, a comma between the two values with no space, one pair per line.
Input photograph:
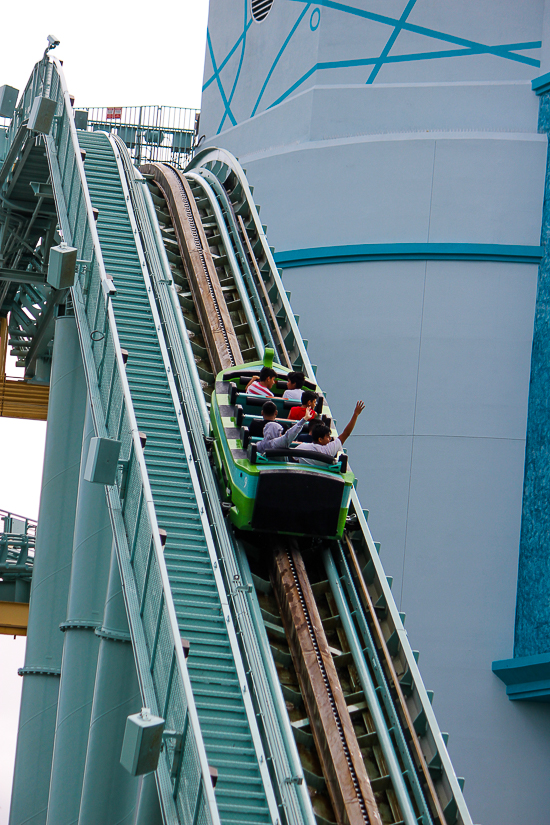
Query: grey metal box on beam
[142,743]
[81,119]
[61,266]
[8,99]
[41,116]
[102,462]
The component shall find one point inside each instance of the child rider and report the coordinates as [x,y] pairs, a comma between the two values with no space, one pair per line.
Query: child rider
[273,436]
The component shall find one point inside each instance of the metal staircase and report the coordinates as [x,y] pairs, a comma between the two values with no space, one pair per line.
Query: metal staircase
[198,599]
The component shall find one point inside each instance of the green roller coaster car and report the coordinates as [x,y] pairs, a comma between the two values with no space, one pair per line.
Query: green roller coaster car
[275,494]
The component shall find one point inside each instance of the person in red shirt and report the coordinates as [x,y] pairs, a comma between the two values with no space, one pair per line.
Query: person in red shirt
[309,400]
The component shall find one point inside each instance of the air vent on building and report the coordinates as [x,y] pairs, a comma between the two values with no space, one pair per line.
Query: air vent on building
[260,9]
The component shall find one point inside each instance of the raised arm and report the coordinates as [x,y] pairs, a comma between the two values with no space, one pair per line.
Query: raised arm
[348,429]
[254,378]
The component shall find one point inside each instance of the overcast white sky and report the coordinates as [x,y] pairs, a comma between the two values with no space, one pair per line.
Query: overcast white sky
[114,54]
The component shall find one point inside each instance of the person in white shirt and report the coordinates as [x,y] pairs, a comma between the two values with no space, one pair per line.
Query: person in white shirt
[294,384]
[274,436]
[261,384]
[322,442]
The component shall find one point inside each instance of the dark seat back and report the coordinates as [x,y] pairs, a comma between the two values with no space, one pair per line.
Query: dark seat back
[295,501]
[256,427]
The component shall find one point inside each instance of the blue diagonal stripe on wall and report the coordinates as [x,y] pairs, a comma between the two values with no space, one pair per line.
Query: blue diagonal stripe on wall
[507,51]
[219,80]
[281,50]
[239,67]
[391,40]
[228,56]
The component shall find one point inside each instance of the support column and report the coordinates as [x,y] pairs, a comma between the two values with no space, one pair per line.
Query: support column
[148,812]
[93,539]
[109,793]
[50,581]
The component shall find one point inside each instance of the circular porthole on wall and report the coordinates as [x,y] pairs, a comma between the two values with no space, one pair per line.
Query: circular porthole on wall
[260,9]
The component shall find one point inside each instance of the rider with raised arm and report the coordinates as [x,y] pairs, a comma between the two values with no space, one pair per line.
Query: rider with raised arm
[322,441]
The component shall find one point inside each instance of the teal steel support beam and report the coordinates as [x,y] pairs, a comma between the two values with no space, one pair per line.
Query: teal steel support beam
[109,792]
[44,331]
[93,540]
[148,812]
[50,581]
[13,151]
[17,276]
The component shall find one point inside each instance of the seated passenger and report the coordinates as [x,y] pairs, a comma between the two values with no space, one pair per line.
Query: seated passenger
[274,436]
[322,442]
[309,400]
[294,386]
[261,384]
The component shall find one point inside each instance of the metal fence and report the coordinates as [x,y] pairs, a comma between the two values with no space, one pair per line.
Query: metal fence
[151,133]
[185,786]
[17,540]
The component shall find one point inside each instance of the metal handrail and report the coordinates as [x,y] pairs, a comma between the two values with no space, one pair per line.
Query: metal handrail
[29,521]
[447,767]
[164,682]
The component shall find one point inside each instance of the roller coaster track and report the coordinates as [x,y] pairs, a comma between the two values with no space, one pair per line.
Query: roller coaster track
[300,687]
[397,761]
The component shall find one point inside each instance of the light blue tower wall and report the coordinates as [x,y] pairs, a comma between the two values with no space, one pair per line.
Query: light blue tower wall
[394,147]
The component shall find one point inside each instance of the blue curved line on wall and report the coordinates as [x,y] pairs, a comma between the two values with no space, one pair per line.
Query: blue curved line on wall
[401,58]
[239,67]
[352,253]
[228,56]
[281,50]
[393,21]
[391,40]
[219,80]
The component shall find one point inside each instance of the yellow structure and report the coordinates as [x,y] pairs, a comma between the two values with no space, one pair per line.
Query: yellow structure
[18,398]
[14,618]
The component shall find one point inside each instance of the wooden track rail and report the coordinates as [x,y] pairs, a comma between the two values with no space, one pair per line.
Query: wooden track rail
[343,768]
[217,326]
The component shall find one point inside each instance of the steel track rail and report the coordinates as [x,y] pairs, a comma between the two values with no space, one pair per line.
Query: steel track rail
[210,158]
[259,340]
[238,248]
[396,685]
[369,691]
[263,290]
